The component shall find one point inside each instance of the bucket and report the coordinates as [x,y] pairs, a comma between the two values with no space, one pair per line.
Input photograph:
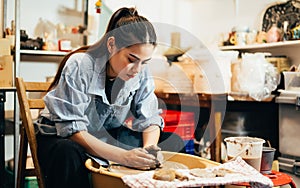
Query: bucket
[267,160]
[249,148]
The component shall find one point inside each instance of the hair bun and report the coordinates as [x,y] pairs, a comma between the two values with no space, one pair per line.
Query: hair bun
[133,11]
[126,12]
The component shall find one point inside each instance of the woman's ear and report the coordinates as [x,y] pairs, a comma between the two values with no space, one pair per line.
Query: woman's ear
[110,44]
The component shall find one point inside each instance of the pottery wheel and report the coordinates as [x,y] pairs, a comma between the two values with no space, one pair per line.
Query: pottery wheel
[119,169]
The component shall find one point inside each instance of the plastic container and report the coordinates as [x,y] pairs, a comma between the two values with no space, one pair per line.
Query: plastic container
[249,148]
[181,123]
[185,131]
[172,117]
[189,146]
[30,181]
[291,81]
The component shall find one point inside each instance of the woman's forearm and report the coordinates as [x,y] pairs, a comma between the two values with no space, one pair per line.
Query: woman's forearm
[151,135]
[98,148]
[137,158]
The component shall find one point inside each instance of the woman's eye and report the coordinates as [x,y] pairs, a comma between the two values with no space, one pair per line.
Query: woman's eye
[131,60]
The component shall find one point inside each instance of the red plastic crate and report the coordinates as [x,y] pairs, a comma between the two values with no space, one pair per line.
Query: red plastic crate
[181,123]
[185,131]
[174,117]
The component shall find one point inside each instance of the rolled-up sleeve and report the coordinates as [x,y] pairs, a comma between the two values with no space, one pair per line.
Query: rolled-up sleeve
[146,105]
[68,102]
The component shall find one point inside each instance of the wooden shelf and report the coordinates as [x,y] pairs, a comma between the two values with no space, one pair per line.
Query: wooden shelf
[42,56]
[293,43]
[42,52]
[7,88]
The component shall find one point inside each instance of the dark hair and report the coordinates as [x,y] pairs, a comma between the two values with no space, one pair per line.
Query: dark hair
[128,28]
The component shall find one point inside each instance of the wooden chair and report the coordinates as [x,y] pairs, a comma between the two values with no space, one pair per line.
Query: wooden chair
[27,130]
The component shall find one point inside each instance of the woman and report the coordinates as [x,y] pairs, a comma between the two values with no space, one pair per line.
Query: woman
[101,102]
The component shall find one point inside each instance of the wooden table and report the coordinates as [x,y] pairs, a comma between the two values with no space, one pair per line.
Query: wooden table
[217,105]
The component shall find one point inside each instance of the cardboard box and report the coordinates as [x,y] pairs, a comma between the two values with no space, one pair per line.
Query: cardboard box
[5,46]
[6,71]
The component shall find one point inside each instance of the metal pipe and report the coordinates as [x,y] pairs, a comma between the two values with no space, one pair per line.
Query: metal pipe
[16,103]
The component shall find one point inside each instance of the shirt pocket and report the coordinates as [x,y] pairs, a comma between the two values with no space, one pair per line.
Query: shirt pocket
[104,112]
[121,111]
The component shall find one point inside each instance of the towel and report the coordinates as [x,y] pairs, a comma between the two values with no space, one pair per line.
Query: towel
[242,173]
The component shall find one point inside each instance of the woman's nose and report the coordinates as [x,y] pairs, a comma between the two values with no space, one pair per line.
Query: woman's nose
[136,68]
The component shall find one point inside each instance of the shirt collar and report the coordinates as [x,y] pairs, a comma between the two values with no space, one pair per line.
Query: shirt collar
[97,85]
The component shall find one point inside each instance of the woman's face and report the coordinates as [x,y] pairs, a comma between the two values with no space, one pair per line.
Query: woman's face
[128,62]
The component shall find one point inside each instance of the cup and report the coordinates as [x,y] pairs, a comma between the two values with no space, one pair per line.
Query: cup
[267,160]
[251,37]
[241,38]
[249,148]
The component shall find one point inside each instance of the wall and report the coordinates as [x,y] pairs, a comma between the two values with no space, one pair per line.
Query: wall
[206,19]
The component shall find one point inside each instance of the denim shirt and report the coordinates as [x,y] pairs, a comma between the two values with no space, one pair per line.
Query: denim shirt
[79,101]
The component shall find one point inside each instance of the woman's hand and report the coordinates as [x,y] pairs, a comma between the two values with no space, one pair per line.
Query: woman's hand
[156,152]
[139,158]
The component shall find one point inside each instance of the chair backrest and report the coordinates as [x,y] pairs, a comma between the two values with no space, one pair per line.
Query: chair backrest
[26,104]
